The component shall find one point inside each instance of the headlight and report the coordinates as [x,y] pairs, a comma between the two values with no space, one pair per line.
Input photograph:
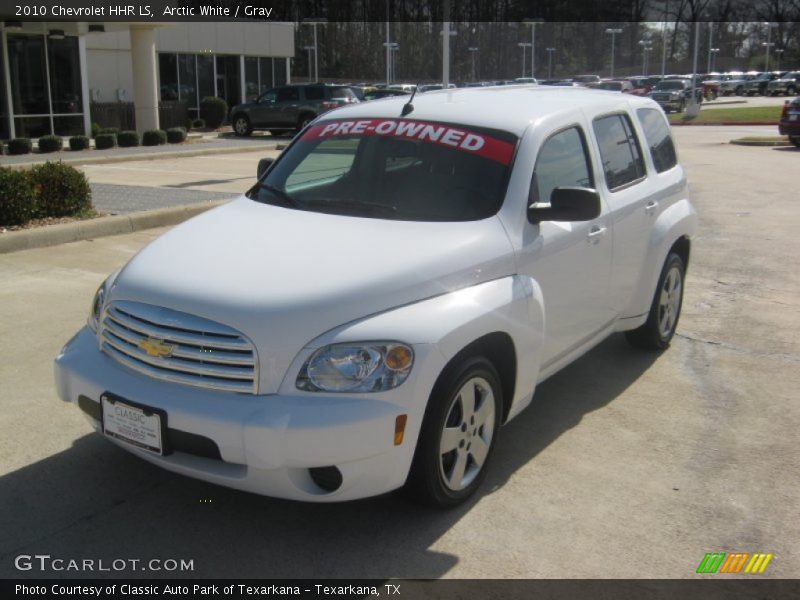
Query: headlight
[99,301]
[97,307]
[356,367]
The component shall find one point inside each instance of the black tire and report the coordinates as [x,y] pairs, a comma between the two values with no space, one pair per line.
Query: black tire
[303,120]
[436,478]
[740,91]
[658,330]
[795,140]
[241,125]
[277,132]
[791,90]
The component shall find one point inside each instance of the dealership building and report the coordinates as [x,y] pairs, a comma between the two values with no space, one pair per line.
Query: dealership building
[57,77]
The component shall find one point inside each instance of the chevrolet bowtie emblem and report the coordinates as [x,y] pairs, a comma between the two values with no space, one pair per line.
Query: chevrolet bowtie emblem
[156,347]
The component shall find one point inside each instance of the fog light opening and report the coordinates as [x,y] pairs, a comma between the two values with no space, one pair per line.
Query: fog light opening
[327,478]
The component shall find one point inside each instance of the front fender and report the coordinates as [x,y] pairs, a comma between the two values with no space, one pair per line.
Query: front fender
[448,323]
[676,221]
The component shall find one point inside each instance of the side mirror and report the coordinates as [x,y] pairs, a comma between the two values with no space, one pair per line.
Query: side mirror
[567,204]
[263,165]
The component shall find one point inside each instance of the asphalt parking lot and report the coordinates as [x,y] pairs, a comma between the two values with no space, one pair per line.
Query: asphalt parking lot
[626,464]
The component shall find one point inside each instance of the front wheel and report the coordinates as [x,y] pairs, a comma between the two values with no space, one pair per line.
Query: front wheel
[657,331]
[241,126]
[458,434]
[303,121]
[795,140]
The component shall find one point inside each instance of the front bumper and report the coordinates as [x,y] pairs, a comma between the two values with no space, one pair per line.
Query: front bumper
[670,104]
[791,128]
[266,444]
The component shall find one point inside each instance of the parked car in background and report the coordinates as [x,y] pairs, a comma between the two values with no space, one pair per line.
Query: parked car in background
[613,85]
[384,93]
[405,87]
[388,294]
[733,83]
[586,79]
[642,85]
[788,84]
[758,84]
[525,80]
[289,108]
[675,94]
[789,124]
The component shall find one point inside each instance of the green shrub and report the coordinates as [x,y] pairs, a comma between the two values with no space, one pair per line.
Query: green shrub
[176,135]
[17,200]
[50,143]
[104,141]
[79,142]
[111,130]
[154,137]
[126,139]
[198,124]
[213,111]
[96,130]
[20,146]
[61,190]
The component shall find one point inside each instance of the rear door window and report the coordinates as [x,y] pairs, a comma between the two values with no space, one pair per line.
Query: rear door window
[288,94]
[658,138]
[620,151]
[315,93]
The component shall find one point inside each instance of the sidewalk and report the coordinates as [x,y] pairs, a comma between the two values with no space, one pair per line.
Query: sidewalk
[114,199]
[208,145]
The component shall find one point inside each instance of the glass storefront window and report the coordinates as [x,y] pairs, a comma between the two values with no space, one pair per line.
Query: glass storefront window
[32,127]
[65,76]
[168,76]
[251,78]
[228,79]
[188,79]
[26,64]
[279,66]
[265,68]
[68,125]
[205,75]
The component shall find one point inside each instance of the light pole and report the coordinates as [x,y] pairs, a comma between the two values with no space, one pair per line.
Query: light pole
[613,33]
[550,62]
[395,50]
[309,49]
[314,23]
[713,52]
[778,52]
[664,41]
[390,48]
[524,45]
[472,51]
[386,45]
[710,43]
[768,44]
[532,23]
[646,48]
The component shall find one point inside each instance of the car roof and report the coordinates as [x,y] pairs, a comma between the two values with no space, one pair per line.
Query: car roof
[507,108]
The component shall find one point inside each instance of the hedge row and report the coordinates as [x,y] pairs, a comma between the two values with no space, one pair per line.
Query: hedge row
[52,189]
[103,139]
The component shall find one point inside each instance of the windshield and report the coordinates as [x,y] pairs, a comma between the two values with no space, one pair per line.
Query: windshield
[670,85]
[392,169]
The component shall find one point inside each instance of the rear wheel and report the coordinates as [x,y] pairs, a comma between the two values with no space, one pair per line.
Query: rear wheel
[303,121]
[665,310]
[241,126]
[791,90]
[458,434]
[795,140]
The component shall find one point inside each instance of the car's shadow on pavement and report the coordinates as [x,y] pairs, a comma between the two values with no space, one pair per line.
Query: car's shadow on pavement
[96,501]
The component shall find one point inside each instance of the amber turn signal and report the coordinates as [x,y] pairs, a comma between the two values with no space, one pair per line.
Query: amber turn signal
[399,429]
[398,358]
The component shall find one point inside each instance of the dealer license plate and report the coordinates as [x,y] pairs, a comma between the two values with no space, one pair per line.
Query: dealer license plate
[139,426]
[793,116]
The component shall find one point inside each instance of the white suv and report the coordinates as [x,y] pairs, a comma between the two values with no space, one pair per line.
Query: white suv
[390,292]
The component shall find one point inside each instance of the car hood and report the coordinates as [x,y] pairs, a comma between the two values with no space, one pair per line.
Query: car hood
[283,277]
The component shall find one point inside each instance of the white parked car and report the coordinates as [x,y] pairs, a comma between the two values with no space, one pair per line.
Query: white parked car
[390,293]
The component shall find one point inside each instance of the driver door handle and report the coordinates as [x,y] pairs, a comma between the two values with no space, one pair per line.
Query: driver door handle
[650,206]
[595,233]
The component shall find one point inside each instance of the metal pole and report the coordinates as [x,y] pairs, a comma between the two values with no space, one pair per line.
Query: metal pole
[766,61]
[710,44]
[446,45]
[533,50]
[316,56]
[388,55]
[550,62]
[694,60]
[523,61]
[664,41]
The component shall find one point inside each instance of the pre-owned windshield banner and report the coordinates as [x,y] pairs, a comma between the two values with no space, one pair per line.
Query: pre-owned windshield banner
[458,138]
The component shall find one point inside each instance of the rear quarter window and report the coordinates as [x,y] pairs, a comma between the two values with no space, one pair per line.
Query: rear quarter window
[619,149]
[658,138]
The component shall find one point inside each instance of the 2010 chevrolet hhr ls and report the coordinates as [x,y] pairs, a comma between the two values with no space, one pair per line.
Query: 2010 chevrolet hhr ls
[390,292]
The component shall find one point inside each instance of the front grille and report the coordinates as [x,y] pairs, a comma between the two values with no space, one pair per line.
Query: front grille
[203,353]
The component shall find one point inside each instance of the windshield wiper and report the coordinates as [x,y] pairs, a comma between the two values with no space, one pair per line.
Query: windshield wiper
[352,205]
[287,199]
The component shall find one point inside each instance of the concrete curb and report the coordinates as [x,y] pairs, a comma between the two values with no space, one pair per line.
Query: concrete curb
[53,235]
[746,142]
[145,156]
[726,124]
